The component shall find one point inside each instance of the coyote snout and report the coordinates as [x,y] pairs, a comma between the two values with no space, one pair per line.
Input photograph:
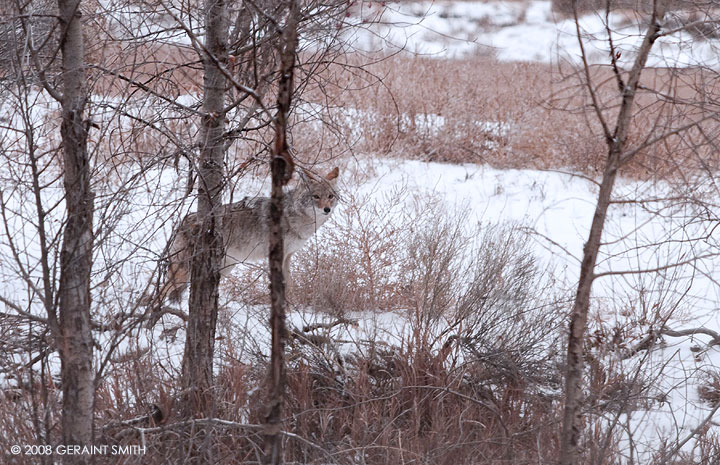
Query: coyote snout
[245,230]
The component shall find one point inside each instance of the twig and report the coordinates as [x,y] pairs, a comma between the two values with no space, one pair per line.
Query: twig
[692,434]
[218,422]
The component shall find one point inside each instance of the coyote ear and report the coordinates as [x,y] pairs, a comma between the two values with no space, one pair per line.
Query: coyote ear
[333,174]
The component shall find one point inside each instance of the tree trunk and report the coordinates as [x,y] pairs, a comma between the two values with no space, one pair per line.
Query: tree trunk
[573,414]
[572,420]
[208,253]
[74,340]
[282,168]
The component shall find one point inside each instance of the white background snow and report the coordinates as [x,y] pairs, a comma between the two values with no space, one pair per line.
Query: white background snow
[557,206]
[516,31]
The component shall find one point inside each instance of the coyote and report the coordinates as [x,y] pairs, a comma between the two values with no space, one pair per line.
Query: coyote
[245,230]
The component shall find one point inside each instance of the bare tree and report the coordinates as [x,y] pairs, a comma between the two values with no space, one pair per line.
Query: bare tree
[74,339]
[617,118]
[67,303]
[50,187]
[282,167]
[208,249]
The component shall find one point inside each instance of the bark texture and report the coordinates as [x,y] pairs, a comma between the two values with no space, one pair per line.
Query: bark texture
[208,252]
[74,338]
[573,414]
[282,168]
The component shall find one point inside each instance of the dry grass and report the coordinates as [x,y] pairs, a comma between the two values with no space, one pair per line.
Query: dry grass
[565,7]
[473,377]
[510,115]
[436,110]
[475,110]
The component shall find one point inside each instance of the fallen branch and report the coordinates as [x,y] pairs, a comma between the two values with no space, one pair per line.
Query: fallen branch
[649,341]
[332,324]
[691,332]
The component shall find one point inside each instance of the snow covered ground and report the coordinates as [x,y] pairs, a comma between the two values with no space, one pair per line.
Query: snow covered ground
[516,31]
[510,30]
[557,207]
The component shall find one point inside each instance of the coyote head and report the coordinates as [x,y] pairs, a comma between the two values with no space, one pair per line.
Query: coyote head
[317,194]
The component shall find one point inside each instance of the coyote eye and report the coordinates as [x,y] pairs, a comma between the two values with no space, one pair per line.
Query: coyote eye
[316,197]
[331,196]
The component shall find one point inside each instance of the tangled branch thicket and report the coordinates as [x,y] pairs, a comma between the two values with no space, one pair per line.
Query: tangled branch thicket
[417,334]
[461,361]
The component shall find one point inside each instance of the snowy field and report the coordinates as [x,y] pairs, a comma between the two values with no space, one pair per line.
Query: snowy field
[512,31]
[554,208]
[517,31]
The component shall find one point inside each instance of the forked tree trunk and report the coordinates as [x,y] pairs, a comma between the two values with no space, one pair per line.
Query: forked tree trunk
[207,253]
[74,340]
[282,168]
[573,414]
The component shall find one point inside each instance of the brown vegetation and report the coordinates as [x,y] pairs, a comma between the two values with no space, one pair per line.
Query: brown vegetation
[474,110]
[508,115]
[471,372]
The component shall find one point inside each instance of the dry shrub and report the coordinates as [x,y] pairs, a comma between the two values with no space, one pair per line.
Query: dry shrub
[566,129]
[509,312]
[709,390]
[474,371]
[508,115]
[352,264]
[373,256]
[566,7]
[432,109]
[474,375]
[471,110]
[705,452]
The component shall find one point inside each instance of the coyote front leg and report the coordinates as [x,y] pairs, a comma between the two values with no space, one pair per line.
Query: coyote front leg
[286,271]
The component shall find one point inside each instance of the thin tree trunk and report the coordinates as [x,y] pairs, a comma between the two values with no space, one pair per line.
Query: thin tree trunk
[74,340]
[208,253]
[573,414]
[572,421]
[282,168]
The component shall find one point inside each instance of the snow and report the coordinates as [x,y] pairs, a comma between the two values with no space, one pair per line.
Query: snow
[517,31]
[510,30]
[557,207]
